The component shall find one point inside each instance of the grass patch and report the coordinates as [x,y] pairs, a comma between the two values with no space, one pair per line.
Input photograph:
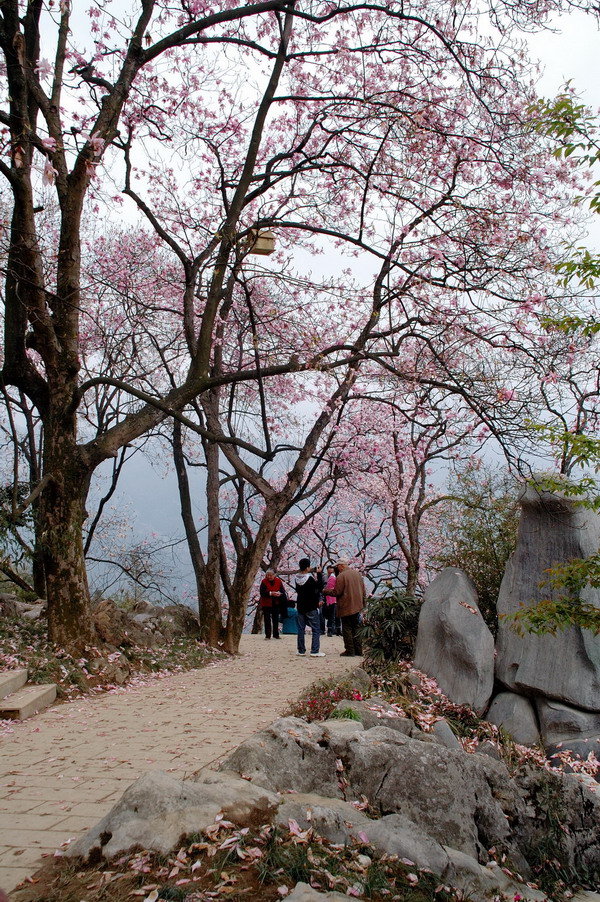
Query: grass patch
[345,714]
[25,643]
[228,863]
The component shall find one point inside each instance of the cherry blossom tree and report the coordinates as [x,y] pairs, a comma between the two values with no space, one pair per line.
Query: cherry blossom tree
[392,132]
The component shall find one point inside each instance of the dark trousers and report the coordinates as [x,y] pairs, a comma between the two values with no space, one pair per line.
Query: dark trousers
[271,617]
[330,611]
[352,643]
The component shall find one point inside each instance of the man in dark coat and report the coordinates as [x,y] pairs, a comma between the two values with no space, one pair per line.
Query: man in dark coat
[309,586]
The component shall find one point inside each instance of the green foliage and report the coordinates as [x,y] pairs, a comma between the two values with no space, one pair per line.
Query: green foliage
[389,629]
[571,324]
[582,451]
[551,616]
[480,532]
[345,714]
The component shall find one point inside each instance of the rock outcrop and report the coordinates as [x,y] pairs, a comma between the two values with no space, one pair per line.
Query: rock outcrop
[156,810]
[516,715]
[552,681]
[441,808]
[454,644]
[565,667]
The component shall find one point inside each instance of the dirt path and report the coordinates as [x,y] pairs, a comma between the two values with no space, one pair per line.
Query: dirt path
[61,771]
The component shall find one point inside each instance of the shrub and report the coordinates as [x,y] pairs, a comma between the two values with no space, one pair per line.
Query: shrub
[389,629]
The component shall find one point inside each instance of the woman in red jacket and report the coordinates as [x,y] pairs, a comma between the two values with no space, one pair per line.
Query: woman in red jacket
[272,594]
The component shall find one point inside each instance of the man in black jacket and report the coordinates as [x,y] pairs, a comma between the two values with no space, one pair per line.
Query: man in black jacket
[309,586]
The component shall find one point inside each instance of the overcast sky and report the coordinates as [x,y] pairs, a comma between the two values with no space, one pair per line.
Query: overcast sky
[571,53]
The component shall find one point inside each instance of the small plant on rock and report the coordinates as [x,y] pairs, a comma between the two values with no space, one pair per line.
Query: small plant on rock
[319,700]
[345,714]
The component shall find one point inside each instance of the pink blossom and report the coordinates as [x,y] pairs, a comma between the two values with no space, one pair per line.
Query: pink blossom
[49,173]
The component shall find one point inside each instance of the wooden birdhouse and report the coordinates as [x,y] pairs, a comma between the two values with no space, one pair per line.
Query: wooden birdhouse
[264,243]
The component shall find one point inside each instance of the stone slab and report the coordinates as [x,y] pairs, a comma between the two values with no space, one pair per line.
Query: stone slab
[28,701]
[11,681]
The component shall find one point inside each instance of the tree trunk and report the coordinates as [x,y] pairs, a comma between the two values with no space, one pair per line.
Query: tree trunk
[247,567]
[209,593]
[61,516]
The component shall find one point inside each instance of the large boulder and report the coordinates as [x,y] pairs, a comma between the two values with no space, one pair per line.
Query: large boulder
[156,810]
[402,775]
[568,732]
[459,801]
[290,755]
[566,666]
[454,644]
[397,774]
[516,715]
[562,819]
[560,722]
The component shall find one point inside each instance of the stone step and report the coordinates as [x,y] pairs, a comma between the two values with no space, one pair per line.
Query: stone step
[11,680]
[28,701]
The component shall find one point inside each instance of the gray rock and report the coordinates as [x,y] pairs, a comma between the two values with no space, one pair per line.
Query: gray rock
[360,680]
[289,755]
[445,734]
[302,892]
[396,834]
[156,810]
[565,666]
[402,775]
[376,712]
[454,644]
[9,605]
[560,811]
[340,729]
[516,715]
[333,819]
[464,801]
[35,612]
[490,749]
[479,882]
[559,722]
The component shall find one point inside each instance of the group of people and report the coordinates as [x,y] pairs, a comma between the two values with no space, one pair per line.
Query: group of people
[338,599]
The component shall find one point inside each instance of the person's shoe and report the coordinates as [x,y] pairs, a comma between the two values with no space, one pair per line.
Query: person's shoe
[347,654]
[317,654]
[276,637]
[267,637]
[301,653]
